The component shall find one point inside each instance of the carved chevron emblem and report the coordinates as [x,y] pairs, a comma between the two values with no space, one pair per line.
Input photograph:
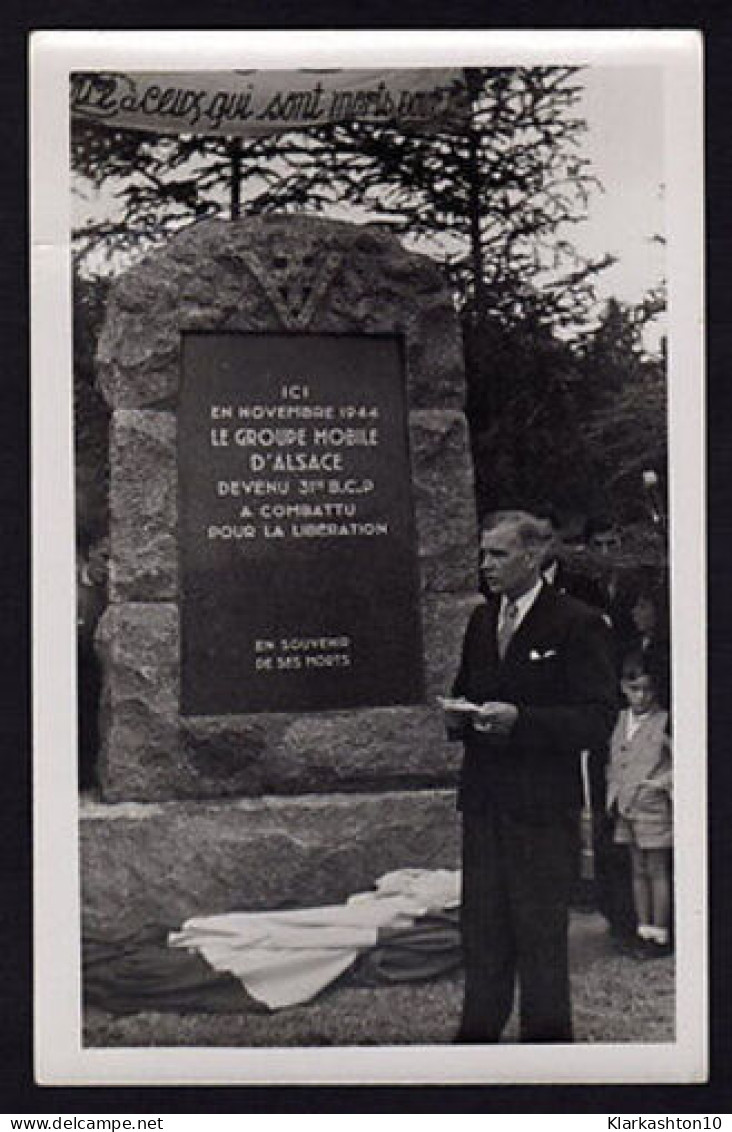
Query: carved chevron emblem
[295,282]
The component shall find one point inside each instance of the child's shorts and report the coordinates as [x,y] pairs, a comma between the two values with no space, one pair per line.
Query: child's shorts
[646,833]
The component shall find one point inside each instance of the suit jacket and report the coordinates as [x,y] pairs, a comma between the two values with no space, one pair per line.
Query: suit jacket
[582,586]
[559,673]
[615,604]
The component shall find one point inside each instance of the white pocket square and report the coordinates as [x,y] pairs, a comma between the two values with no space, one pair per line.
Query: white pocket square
[536,655]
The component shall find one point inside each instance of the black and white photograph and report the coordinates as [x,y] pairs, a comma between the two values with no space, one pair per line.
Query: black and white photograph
[367,389]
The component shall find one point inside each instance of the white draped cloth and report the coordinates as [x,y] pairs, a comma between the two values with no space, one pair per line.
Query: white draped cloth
[286,957]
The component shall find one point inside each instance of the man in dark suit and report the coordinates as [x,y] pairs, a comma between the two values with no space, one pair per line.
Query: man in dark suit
[537,666]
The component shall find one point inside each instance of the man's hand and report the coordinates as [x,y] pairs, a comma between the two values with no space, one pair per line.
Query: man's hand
[495,718]
[457,712]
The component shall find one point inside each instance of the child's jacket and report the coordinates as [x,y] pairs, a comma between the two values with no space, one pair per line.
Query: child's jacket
[644,756]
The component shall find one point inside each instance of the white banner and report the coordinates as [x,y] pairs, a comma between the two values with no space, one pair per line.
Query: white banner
[261,102]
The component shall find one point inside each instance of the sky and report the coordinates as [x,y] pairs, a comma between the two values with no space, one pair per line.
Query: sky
[624,111]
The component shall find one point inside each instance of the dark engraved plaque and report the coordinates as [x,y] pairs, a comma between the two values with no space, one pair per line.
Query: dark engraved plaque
[299,581]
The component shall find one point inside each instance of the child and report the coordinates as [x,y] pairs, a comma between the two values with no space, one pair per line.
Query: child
[639,795]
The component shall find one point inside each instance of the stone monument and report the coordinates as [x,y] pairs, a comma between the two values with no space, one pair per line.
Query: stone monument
[293,552]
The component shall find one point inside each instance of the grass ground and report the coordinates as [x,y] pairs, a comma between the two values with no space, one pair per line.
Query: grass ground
[615,999]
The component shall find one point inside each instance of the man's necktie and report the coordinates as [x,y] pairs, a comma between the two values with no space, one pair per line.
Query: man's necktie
[506,627]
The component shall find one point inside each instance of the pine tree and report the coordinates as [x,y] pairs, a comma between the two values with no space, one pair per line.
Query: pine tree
[491,198]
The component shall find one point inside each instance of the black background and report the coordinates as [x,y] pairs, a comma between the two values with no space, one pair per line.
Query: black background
[235,592]
[18,1092]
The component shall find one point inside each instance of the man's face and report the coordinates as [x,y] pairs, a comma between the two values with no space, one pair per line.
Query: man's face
[508,566]
[605,542]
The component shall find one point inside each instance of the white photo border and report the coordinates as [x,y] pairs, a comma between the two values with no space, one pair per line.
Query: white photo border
[60,1058]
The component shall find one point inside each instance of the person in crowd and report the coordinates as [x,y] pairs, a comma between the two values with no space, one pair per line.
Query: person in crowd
[601,583]
[536,686]
[639,798]
[566,579]
[604,542]
[649,613]
[610,887]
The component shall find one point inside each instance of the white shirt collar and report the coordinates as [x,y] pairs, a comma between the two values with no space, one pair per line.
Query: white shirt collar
[523,604]
[551,571]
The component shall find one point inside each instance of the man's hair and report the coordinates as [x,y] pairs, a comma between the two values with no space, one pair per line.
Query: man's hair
[533,532]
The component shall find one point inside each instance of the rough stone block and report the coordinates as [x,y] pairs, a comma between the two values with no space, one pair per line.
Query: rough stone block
[165,863]
[444,619]
[143,506]
[153,753]
[149,752]
[362,750]
[223,275]
[144,552]
[139,648]
[444,502]
[272,274]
